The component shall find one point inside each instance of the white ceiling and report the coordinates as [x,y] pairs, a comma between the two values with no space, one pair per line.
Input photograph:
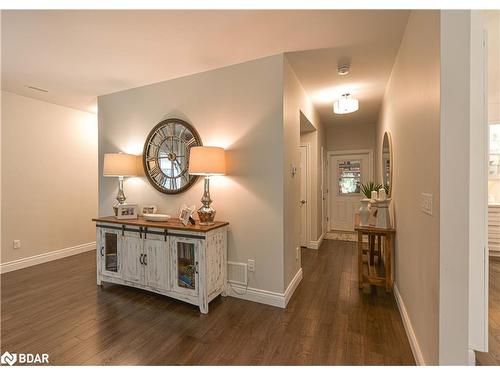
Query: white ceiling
[78,55]
[371,63]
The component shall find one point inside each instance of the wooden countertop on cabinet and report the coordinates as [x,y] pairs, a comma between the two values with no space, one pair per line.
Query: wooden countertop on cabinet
[169,224]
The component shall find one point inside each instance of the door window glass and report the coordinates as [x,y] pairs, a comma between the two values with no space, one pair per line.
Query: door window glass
[349,175]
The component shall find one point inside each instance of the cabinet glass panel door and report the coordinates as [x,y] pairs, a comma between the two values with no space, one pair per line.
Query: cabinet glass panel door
[110,263]
[185,262]
[186,265]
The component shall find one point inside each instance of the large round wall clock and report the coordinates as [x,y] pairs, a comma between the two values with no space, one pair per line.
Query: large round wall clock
[166,155]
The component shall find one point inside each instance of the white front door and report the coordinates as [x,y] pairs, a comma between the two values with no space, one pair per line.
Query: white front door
[303,196]
[347,172]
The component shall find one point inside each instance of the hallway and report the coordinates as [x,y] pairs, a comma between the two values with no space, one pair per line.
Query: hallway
[57,308]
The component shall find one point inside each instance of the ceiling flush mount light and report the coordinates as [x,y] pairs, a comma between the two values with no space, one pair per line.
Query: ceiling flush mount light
[346,104]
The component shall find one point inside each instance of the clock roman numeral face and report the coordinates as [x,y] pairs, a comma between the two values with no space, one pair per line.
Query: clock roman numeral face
[166,155]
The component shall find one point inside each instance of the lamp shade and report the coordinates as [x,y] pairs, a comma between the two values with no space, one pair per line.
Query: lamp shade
[207,161]
[120,165]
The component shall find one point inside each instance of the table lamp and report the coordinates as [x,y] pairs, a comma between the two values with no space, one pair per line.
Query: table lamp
[119,165]
[207,161]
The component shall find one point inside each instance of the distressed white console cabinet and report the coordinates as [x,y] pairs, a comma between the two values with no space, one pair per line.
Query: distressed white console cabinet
[188,263]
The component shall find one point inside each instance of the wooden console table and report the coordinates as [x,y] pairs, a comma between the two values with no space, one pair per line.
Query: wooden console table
[372,276]
[183,262]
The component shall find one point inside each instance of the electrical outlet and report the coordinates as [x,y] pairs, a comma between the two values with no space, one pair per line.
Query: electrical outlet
[251,265]
[16,244]
[426,203]
[297,252]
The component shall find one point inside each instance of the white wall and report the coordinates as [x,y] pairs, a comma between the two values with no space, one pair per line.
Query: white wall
[493,27]
[352,137]
[411,113]
[492,18]
[463,260]
[295,101]
[240,108]
[49,177]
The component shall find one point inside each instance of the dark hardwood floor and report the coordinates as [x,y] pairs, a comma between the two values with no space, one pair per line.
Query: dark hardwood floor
[492,358]
[56,308]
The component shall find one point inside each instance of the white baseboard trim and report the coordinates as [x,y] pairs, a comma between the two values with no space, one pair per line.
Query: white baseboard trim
[46,257]
[292,286]
[472,357]
[316,244]
[415,347]
[264,296]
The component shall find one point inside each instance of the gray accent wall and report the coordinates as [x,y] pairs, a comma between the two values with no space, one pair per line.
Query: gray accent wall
[240,108]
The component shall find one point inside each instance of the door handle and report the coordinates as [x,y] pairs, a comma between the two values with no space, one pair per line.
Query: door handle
[102,251]
[140,258]
[145,259]
[303,201]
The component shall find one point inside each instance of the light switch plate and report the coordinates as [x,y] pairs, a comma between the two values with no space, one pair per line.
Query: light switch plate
[251,265]
[16,244]
[426,200]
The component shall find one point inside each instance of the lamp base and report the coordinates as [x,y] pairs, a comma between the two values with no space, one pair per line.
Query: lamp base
[120,197]
[206,215]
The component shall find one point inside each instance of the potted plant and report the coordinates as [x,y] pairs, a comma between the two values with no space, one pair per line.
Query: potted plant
[367,188]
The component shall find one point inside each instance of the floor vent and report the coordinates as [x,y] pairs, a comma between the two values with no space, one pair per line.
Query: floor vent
[237,273]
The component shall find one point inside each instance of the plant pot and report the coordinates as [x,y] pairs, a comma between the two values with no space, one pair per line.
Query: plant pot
[364,212]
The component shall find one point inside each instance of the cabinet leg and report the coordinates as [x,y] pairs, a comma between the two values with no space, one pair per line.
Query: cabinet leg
[371,247]
[224,292]
[360,260]
[99,282]
[388,263]
[204,308]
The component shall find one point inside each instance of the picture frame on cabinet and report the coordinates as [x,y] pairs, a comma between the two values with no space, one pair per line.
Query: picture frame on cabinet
[149,209]
[186,214]
[127,211]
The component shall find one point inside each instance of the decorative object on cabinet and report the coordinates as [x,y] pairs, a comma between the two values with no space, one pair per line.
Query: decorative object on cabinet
[120,165]
[370,191]
[156,217]
[387,163]
[166,155]
[383,218]
[149,209]
[127,211]
[207,161]
[364,212]
[186,213]
[373,276]
[185,263]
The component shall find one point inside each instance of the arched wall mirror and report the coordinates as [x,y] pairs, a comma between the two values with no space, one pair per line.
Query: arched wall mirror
[387,163]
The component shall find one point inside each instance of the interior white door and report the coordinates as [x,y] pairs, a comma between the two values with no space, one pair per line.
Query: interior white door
[347,172]
[303,195]
[324,192]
